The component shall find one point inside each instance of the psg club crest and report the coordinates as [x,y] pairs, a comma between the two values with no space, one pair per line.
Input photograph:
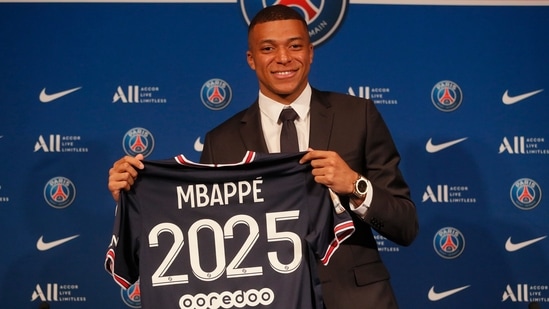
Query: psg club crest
[131,296]
[323,16]
[525,194]
[59,192]
[449,243]
[446,96]
[138,141]
[216,94]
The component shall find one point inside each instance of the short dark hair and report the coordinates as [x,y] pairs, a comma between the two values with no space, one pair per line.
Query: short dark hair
[276,12]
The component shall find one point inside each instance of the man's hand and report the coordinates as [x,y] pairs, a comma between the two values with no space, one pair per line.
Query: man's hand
[123,173]
[331,170]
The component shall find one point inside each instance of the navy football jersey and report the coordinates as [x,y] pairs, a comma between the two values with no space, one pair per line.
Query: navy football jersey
[226,236]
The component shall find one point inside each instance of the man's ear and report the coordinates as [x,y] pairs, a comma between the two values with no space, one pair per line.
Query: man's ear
[250,59]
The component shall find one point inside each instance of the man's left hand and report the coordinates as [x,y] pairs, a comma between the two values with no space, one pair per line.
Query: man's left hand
[331,170]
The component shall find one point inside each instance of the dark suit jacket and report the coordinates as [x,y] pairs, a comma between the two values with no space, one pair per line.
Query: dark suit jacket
[355,277]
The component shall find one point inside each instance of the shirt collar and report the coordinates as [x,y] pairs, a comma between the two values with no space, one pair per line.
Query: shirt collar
[272,108]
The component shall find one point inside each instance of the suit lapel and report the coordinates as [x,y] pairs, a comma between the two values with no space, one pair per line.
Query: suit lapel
[250,130]
[321,121]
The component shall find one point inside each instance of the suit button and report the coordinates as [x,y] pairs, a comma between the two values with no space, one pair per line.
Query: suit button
[376,223]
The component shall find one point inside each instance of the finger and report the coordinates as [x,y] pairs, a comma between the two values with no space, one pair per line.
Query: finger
[305,158]
[134,161]
[122,171]
[127,170]
[125,177]
[115,195]
[115,184]
[122,164]
[140,157]
[312,155]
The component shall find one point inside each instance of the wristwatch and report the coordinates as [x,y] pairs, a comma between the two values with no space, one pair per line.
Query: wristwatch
[360,187]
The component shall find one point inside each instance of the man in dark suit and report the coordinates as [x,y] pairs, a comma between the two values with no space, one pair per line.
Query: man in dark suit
[348,145]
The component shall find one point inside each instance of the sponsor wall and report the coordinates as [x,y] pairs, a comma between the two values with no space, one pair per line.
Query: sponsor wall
[462,86]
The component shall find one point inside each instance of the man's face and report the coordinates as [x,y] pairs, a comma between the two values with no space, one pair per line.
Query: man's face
[281,54]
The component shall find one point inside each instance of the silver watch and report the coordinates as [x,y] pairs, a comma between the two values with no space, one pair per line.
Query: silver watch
[360,187]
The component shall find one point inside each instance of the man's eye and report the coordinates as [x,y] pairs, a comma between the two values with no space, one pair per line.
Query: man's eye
[296,46]
[267,48]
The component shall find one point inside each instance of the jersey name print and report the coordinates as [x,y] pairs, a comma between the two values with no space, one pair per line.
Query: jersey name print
[234,236]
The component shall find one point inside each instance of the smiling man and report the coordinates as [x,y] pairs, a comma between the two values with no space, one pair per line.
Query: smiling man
[346,142]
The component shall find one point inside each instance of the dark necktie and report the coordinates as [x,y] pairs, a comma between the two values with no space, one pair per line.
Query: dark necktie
[288,135]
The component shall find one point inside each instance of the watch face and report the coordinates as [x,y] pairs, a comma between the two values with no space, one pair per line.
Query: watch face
[362,185]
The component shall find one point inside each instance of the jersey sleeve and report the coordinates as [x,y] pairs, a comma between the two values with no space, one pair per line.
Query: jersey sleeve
[330,225]
[122,260]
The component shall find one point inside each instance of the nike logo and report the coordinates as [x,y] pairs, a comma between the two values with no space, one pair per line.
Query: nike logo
[46,98]
[435,296]
[511,247]
[508,100]
[43,246]
[198,146]
[431,148]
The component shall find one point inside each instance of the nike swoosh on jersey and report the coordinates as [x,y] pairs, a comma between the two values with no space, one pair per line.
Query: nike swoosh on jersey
[435,296]
[198,146]
[431,148]
[511,247]
[43,246]
[508,100]
[46,98]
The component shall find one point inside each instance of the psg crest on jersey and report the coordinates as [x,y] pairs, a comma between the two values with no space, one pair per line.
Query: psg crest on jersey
[131,296]
[449,242]
[323,16]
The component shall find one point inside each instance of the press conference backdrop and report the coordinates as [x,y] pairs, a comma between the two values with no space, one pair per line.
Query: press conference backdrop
[463,86]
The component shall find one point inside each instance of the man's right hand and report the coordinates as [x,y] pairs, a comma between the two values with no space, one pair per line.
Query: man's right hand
[123,173]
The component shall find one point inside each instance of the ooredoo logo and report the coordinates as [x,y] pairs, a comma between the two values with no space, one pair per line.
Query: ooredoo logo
[138,141]
[226,299]
[323,17]
[446,96]
[59,192]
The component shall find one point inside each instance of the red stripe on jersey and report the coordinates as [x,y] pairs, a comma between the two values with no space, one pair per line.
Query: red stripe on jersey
[342,231]
[248,157]
[180,159]
[109,266]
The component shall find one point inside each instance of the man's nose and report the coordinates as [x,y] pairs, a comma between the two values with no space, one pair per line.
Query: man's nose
[283,56]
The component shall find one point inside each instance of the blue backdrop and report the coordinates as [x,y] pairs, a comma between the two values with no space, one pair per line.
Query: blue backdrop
[463,89]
